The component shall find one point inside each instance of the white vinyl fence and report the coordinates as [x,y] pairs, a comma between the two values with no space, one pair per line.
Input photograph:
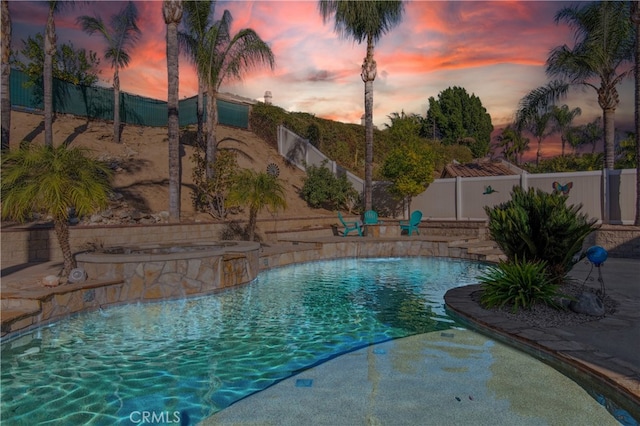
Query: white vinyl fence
[606,195]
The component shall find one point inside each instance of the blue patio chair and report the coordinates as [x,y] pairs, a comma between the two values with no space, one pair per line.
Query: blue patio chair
[370,217]
[350,226]
[411,224]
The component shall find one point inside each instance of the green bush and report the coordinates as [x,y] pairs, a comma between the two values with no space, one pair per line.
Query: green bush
[537,226]
[322,189]
[520,284]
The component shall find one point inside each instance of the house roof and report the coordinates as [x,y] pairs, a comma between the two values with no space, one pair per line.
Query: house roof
[479,168]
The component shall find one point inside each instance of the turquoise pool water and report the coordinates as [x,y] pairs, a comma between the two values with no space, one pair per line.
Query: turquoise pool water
[183,360]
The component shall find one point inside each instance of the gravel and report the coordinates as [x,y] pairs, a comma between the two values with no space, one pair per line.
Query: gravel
[544,316]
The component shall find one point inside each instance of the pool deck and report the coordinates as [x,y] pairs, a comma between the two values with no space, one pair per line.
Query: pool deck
[605,351]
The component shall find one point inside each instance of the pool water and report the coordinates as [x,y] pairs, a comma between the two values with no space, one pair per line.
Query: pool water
[188,359]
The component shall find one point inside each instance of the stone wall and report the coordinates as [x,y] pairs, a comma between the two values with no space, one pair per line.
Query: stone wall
[38,243]
[619,240]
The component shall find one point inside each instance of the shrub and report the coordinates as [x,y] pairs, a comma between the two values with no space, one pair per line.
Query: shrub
[537,226]
[520,283]
[322,189]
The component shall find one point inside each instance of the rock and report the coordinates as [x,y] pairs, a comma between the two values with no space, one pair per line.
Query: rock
[95,218]
[51,281]
[106,213]
[588,303]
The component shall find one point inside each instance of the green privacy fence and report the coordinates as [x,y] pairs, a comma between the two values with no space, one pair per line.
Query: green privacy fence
[97,102]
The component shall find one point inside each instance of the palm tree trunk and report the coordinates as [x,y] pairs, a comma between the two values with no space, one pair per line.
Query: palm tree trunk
[173,14]
[61,229]
[49,51]
[609,137]
[5,85]
[253,216]
[116,106]
[538,152]
[212,121]
[368,76]
[200,113]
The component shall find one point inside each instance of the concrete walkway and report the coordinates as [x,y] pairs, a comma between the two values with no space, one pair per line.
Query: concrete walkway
[605,352]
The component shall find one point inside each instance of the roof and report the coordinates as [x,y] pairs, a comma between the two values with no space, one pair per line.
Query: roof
[479,168]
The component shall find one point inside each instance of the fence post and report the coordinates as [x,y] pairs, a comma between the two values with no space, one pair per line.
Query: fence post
[524,181]
[458,198]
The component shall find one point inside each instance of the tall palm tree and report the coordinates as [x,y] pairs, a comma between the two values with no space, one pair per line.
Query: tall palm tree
[5,84]
[534,112]
[172,13]
[513,144]
[44,179]
[360,21]
[121,34]
[635,18]
[50,39]
[563,117]
[228,57]
[604,45]
[257,191]
[197,21]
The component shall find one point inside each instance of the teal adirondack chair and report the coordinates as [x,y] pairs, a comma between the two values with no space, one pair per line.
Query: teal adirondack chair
[411,224]
[350,226]
[370,217]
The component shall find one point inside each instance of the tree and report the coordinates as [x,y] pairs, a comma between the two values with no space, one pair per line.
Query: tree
[591,133]
[50,40]
[455,117]
[626,152]
[360,21]
[410,169]
[563,117]
[172,13]
[604,44]
[197,22]
[44,179]
[227,58]
[404,126]
[257,191]
[321,188]
[513,144]
[121,34]
[69,64]
[5,87]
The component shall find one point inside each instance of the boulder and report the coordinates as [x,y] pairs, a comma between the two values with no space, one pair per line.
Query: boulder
[51,281]
[588,303]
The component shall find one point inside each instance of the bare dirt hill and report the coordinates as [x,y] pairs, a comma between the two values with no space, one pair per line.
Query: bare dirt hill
[141,161]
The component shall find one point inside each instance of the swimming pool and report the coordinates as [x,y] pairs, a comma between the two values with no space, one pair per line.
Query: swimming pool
[191,358]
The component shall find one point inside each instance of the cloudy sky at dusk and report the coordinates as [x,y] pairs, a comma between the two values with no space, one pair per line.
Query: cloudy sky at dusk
[495,50]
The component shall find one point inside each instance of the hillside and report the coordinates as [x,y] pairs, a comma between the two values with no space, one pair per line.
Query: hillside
[141,161]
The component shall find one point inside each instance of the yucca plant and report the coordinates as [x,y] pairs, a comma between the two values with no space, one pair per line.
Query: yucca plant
[539,226]
[518,283]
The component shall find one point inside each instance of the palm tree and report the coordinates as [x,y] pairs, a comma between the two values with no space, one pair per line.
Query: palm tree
[563,118]
[257,191]
[44,179]
[534,112]
[604,43]
[5,89]
[364,20]
[592,133]
[121,34]
[172,13]
[197,21]
[635,18]
[227,58]
[513,144]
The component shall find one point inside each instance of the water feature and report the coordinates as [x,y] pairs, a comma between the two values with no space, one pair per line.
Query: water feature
[189,358]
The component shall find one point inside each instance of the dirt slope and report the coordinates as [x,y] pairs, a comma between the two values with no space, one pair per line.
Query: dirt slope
[142,165]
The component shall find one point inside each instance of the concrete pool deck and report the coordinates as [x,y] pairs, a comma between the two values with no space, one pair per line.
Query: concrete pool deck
[606,350]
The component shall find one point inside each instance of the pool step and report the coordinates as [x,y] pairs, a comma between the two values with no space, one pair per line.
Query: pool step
[486,250]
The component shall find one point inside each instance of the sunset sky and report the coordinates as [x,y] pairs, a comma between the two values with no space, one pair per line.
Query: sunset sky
[495,50]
